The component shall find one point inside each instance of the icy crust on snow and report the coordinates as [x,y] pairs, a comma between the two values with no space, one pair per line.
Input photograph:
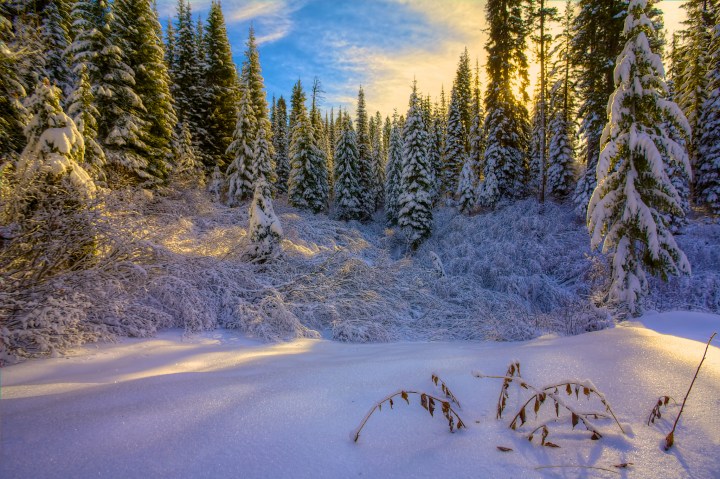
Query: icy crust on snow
[219,405]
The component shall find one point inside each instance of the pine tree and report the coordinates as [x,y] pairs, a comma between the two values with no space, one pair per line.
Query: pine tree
[188,75]
[280,143]
[13,116]
[84,114]
[597,33]
[416,180]
[239,173]
[51,160]
[561,149]
[377,164]
[708,137]
[221,85]
[348,196]
[252,76]
[56,40]
[691,82]
[628,209]
[365,152]
[454,146]
[506,125]
[537,151]
[393,172]
[307,183]
[264,228]
[462,94]
[476,150]
[320,139]
[137,32]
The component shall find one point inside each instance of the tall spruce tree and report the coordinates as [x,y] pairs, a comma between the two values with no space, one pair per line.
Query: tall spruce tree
[137,29]
[221,84]
[561,149]
[416,180]
[377,164]
[81,108]
[252,77]
[707,164]
[476,150]
[597,43]
[506,124]
[462,89]
[280,143]
[454,153]
[56,41]
[188,75]
[393,172]
[307,183]
[348,196]
[365,152]
[239,173]
[629,207]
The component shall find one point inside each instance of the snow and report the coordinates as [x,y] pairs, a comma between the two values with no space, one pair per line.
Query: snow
[219,405]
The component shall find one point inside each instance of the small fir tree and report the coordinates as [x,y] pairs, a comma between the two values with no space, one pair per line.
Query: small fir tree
[280,142]
[264,230]
[83,112]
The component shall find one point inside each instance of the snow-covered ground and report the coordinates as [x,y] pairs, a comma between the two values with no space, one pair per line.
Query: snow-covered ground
[218,404]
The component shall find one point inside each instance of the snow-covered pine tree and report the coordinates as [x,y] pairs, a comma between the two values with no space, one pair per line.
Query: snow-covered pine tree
[507,124]
[319,136]
[377,162]
[691,80]
[454,154]
[188,74]
[137,32]
[707,166]
[393,172]
[81,108]
[537,151]
[307,183]
[365,152]
[477,137]
[627,211]
[242,149]
[416,180]
[561,129]
[27,38]
[467,186]
[462,88]
[56,40]
[120,119]
[348,196]
[264,230]
[221,84]
[262,167]
[52,157]
[53,192]
[12,91]
[280,142]
[597,42]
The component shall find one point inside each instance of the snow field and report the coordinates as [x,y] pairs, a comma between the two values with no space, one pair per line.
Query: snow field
[218,405]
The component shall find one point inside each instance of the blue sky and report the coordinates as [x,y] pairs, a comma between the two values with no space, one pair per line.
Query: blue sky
[380,44]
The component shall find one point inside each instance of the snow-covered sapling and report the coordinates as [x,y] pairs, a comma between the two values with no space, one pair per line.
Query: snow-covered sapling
[265,231]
